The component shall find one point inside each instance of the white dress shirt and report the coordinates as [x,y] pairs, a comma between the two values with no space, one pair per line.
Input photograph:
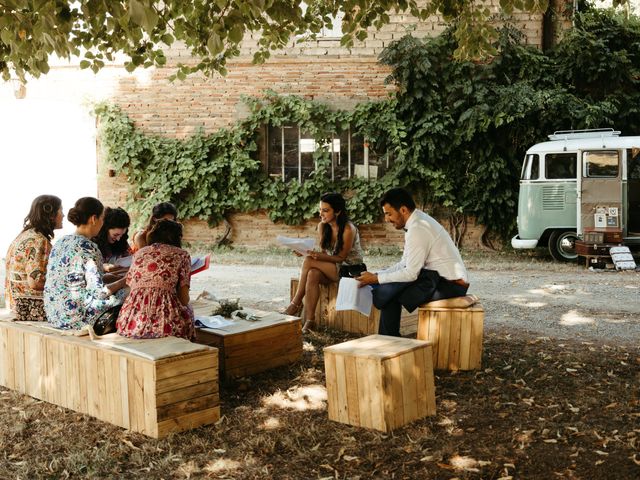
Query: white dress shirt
[426,245]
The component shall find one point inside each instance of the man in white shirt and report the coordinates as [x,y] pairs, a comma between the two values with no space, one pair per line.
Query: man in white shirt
[431,267]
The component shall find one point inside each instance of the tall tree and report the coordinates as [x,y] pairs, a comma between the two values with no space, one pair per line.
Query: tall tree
[96,30]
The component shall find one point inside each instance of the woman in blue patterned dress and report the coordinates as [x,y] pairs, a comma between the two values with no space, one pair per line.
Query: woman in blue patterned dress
[77,291]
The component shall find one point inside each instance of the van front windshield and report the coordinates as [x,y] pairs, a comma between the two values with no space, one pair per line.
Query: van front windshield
[531,167]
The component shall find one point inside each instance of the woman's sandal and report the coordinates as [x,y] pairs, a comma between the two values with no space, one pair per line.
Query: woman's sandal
[294,309]
[306,328]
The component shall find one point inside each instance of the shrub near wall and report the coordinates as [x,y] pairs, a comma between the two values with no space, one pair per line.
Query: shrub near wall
[457,131]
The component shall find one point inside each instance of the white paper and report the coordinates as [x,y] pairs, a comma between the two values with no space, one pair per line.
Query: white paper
[124,261]
[300,245]
[213,321]
[197,262]
[351,297]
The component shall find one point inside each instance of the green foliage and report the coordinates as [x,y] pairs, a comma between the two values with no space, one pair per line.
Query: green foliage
[213,31]
[456,131]
[209,176]
[471,123]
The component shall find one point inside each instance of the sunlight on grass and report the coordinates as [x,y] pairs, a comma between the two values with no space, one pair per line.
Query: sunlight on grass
[572,317]
[271,423]
[310,397]
[222,465]
[308,347]
[468,464]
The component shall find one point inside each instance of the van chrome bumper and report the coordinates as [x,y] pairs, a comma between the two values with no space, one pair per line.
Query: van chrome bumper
[518,243]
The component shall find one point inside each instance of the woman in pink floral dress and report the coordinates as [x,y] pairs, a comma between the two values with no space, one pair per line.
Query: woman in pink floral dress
[158,305]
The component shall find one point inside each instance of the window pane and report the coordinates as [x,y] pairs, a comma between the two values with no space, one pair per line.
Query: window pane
[560,166]
[307,147]
[274,152]
[633,162]
[531,167]
[291,152]
[600,164]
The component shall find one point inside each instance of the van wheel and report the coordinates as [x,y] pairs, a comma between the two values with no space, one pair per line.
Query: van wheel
[562,245]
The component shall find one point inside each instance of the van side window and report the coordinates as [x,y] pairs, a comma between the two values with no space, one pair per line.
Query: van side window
[560,166]
[633,163]
[600,164]
[531,167]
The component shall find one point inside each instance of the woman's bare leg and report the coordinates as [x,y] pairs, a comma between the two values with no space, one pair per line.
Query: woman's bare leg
[327,268]
[317,275]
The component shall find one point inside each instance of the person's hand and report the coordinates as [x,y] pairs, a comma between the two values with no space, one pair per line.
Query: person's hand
[297,254]
[313,254]
[367,278]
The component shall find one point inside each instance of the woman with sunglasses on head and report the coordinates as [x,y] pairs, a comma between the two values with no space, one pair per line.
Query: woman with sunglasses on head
[27,257]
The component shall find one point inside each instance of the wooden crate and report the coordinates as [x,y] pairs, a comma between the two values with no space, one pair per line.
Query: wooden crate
[151,397]
[455,330]
[250,347]
[379,382]
[352,321]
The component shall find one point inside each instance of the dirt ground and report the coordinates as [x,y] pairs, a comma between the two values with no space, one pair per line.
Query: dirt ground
[558,396]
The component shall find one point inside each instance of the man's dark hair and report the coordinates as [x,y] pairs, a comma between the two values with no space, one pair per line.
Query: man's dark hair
[398,197]
[166,231]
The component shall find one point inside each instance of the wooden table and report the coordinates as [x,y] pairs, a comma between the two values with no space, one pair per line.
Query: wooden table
[249,347]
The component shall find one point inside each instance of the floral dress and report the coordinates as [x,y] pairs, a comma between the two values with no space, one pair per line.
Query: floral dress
[153,309]
[27,258]
[74,293]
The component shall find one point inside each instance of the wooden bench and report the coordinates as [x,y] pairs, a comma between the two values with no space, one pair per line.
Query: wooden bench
[153,397]
[379,382]
[455,327]
[351,321]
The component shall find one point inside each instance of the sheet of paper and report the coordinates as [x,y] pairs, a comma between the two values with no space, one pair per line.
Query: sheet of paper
[300,245]
[213,321]
[124,261]
[350,297]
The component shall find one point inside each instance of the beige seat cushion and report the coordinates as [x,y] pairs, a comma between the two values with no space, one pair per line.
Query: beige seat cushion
[456,302]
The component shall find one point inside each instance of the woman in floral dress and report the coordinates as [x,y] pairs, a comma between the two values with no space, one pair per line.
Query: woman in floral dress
[26,263]
[77,291]
[159,277]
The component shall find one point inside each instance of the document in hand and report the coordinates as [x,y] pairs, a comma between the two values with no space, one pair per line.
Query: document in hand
[124,261]
[351,297]
[198,264]
[300,245]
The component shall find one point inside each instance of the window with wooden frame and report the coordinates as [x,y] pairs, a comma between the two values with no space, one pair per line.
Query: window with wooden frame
[287,152]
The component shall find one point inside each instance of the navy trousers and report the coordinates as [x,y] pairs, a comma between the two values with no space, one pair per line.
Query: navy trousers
[389,298]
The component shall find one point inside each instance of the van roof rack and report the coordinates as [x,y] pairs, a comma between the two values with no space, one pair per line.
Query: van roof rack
[591,133]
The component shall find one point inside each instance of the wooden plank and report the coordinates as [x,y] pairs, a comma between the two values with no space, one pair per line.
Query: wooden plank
[35,365]
[18,360]
[103,396]
[434,332]
[290,329]
[378,388]
[189,421]
[193,391]
[421,383]
[260,350]
[331,381]
[429,380]
[396,391]
[262,365]
[475,354]
[341,386]
[454,341]
[123,374]
[364,392]
[351,378]
[135,395]
[92,380]
[4,357]
[444,327]
[465,340]
[72,374]
[180,409]
[150,389]
[408,378]
[11,380]
[182,364]
[192,378]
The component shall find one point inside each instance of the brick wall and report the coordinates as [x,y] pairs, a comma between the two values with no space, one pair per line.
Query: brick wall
[320,69]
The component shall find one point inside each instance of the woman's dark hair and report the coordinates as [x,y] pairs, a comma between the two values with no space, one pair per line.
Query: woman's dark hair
[113,218]
[398,197]
[166,231]
[342,218]
[42,215]
[84,209]
[159,211]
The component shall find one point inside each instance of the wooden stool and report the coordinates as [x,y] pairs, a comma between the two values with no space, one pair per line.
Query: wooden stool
[379,382]
[454,326]
[351,321]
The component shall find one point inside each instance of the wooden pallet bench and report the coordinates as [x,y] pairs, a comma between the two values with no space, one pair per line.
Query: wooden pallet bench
[153,397]
[352,321]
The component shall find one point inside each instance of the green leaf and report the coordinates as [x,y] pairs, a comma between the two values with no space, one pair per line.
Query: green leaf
[214,44]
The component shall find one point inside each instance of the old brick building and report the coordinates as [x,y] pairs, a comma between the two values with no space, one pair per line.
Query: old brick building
[318,69]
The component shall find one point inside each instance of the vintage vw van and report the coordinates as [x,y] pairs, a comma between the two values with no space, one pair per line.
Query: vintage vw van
[580,179]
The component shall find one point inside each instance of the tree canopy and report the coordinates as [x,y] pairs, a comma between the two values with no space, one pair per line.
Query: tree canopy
[97,30]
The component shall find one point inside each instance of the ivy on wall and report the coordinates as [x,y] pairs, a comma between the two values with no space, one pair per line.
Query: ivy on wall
[456,131]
